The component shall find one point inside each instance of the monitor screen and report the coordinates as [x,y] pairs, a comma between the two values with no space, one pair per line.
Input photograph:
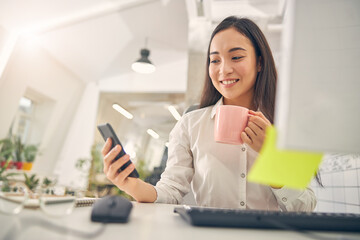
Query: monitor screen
[318,98]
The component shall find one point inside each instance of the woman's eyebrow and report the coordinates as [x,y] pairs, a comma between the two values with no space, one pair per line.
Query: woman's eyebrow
[236,49]
[231,50]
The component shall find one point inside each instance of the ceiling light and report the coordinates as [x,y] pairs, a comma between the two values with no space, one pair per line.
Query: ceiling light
[174,112]
[143,64]
[153,133]
[122,111]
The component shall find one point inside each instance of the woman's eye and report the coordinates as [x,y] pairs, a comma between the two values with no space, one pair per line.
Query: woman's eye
[214,61]
[236,58]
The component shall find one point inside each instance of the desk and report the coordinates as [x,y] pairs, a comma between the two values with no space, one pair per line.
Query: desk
[147,221]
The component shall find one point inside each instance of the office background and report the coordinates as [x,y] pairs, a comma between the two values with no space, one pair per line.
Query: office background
[63,65]
[340,174]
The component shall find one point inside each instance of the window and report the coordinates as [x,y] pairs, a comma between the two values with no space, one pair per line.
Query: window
[23,119]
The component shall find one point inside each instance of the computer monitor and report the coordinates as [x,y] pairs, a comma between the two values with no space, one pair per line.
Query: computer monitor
[318,98]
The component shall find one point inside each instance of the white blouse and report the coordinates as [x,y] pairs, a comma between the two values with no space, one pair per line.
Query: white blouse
[217,172]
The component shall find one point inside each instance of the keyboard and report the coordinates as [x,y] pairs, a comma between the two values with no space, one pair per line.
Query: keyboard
[236,218]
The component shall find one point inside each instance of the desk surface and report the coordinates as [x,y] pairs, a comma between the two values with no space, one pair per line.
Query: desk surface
[147,221]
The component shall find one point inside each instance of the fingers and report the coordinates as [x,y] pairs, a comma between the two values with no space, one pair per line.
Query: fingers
[259,122]
[110,157]
[260,115]
[120,178]
[246,138]
[250,133]
[254,128]
[106,147]
[254,133]
[113,169]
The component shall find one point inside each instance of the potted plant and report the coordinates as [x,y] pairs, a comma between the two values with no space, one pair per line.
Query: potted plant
[18,153]
[6,152]
[47,185]
[30,152]
[31,182]
[4,177]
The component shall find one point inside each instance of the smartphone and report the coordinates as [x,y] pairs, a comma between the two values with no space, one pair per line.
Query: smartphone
[106,132]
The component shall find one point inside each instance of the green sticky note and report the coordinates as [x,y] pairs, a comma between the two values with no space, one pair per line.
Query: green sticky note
[277,167]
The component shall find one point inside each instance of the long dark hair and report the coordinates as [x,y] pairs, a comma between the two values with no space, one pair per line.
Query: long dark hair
[265,84]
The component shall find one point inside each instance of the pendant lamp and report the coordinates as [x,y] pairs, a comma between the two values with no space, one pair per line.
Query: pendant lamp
[143,64]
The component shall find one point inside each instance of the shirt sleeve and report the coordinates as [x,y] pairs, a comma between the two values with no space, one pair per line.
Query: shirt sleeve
[295,200]
[175,180]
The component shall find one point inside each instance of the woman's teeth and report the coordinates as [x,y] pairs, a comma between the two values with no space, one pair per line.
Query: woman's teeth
[229,81]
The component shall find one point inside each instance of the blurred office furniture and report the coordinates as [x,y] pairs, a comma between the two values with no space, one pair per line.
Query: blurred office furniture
[156,174]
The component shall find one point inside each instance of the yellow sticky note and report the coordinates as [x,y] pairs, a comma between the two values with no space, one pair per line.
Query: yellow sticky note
[292,169]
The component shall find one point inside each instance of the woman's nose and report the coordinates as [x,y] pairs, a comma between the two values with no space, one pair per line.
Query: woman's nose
[225,68]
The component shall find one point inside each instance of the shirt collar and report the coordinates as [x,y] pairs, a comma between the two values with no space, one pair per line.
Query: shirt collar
[219,103]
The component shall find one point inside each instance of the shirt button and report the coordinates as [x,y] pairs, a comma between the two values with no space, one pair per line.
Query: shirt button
[242,203]
[284,199]
[242,175]
[243,149]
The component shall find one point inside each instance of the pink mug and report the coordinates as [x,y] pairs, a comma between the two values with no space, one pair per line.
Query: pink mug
[230,122]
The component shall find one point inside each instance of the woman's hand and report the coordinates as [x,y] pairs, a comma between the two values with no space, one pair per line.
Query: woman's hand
[254,133]
[138,189]
[112,165]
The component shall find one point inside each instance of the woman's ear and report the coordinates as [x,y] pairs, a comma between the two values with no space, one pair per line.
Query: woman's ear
[259,64]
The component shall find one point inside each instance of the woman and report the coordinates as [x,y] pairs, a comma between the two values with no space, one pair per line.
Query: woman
[240,71]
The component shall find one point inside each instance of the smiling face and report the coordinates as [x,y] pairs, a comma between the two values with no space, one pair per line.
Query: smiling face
[233,67]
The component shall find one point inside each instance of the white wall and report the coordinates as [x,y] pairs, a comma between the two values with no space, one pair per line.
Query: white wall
[79,140]
[30,67]
[7,43]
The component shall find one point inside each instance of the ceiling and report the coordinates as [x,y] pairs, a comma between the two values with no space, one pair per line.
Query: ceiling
[99,39]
